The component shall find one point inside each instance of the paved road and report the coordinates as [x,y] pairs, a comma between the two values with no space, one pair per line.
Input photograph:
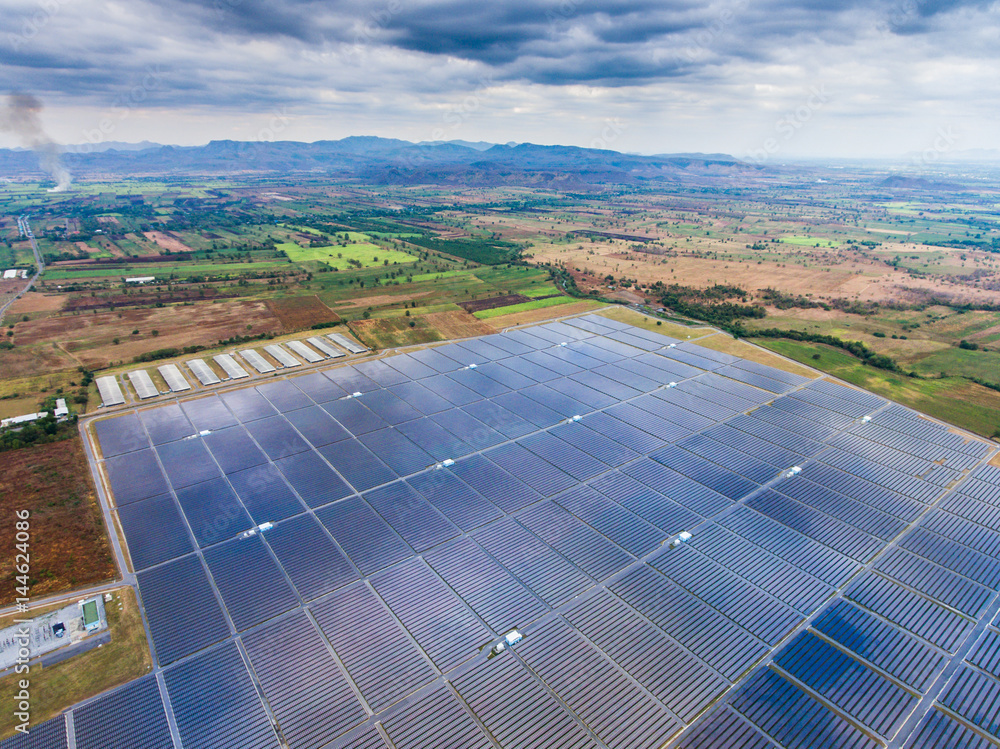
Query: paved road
[22,223]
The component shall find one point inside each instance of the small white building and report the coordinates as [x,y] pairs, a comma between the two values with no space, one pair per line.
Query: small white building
[15,420]
[61,408]
[11,273]
[141,279]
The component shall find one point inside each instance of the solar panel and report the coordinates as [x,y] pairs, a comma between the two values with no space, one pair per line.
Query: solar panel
[135,476]
[376,651]
[257,361]
[127,717]
[173,377]
[313,479]
[230,366]
[313,562]
[276,437]
[357,464]
[48,735]
[368,540]
[309,695]
[203,372]
[122,434]
[455,499]
[443,626]
[234,449]
[252,585]
[284,395]
[216,704]
[264,493]
[434,720]
[155,531]
[180,624]
[379,371]
[187,462]
[213,511]
[208,413]
[143,384]
[307,353]
[411,516]
[248,404]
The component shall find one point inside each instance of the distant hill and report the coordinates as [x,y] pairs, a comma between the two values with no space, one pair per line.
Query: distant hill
[391,161]
[920,183]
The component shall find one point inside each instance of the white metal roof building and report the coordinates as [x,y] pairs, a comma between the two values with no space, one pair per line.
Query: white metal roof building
[111,393]
[203,372]
[230,366]
[143,384]
[175,380]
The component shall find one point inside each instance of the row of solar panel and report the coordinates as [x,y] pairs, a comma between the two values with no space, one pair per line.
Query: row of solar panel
[873,653]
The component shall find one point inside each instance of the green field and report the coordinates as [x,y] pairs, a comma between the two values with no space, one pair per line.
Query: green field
[336,256]
[951,399]
[165,270]
[810,241]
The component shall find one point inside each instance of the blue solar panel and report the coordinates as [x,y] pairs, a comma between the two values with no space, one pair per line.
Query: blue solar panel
[580,435]
[381,373]
[412,516]
[975,697]
[629,531]
[438,442]
[454,392]
[121,435]
[508,423]
[264,494]
[435,360]
[545,572]
[651,506]
[530,468]
[376,651]
[439,621]
[354,416]
[155,531]
[319,387]
[435,719]
[357,464]
[425,401]
[579,543]
[399,453]
[866,696]
[313,479]
[208,413]
[506,376]
[48,735]
[180,624]
[351,380]
[132,716]
[461,504]
[498,486]
[389,407]
[795,720]
[252,585]
[317,426]
[216,704]
[187,462]
[940,729]
[213,511]
[468,429]
[577,463]
[135,476]
[368,540]
[166,423]
[234,450]
[477,383]
[315,564]
[409,366]
[284,396]
[248,404]
[490,590]
[904,657]
[309,695]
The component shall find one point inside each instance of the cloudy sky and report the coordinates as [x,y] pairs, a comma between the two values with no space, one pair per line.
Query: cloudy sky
[764,78]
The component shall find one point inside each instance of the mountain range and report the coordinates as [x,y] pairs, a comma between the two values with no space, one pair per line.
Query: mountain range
[387,161]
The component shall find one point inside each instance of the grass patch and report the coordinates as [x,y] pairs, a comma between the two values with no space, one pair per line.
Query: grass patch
[809,241]
[554,301]
[950,399]
[622,314]
[728,345]
[340,257]
[955,361]
[57,687]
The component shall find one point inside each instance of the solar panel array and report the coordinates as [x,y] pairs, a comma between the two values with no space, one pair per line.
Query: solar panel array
[838,589]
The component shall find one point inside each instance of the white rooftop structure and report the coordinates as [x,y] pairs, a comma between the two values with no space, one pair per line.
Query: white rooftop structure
[12,273]
[175,380]
[305,351]
[280,353]
[141,279]
[332,351]
[143,384]
[257,361]
[111,393]
[347,343]
[61,408]
[230,366]
[204,372]
[14,420]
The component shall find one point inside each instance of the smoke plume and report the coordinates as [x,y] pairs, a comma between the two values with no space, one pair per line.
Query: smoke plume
[20,115]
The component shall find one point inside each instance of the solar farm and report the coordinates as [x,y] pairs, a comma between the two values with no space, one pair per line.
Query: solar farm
[698,551]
